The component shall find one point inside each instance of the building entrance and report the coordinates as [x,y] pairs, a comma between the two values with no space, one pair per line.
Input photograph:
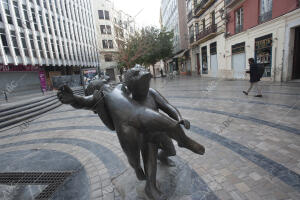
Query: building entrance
[296,59]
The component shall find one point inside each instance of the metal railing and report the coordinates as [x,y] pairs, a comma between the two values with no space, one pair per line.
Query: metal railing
[200,6]
[211,29]
[192,39]
[265,17]
[238,28]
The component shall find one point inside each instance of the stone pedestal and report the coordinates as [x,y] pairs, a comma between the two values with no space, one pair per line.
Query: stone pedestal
[177,183]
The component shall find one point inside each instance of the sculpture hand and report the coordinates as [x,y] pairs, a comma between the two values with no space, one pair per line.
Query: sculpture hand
[185,123]
[65,95]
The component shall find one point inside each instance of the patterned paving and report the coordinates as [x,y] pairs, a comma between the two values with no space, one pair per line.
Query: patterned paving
[252,145]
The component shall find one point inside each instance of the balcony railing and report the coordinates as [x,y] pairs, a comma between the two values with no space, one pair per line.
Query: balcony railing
[206,32]
[265,17]
[238,28]
[190,15]
[199,6]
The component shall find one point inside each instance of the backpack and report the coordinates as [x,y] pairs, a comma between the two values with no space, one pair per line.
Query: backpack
[260,70]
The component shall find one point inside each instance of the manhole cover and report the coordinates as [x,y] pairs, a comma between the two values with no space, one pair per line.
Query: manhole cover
[52,179]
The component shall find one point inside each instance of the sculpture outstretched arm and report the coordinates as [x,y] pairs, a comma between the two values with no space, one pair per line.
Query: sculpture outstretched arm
[66,96]
[169,109]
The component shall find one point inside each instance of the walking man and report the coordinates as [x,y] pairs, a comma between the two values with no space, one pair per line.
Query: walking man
[255,76]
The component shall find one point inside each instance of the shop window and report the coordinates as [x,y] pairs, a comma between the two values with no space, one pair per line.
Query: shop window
[108,58]
[4,41]
[100,13]
[239,20]
[110,44]
[263,53]
[238,48]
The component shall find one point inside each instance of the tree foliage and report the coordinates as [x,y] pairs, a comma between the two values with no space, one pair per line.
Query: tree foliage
[146,47]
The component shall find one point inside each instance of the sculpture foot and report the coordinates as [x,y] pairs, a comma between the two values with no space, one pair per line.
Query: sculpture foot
[140,174]
[166,161]
[193,146]
[153,193]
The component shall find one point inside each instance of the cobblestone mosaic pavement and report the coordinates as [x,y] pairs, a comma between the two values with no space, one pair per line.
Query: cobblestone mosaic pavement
[252,144]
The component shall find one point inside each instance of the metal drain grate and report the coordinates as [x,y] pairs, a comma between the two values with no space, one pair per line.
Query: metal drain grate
[52,179]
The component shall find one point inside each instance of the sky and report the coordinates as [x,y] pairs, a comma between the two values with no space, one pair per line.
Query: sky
[149,16]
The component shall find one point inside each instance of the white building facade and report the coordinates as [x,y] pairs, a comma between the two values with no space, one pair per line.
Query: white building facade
[46,36]
[112,27]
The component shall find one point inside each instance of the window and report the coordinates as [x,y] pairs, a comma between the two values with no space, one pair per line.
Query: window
[213,48]
[265,10]
[110,44]
[48,23]
[41,21]
[24,44]
[34,19]
[203,24]
[106,14]
[58,49]
[213,18]
[47,48]
[108,29]
[104,44]
[26,16]
[15,43]
[102,28]
[197,28]
[108,58]
[40,46]
[54,26]
[19,21]
[100,13]
[238,48]
[4,41]
[32,46]
[7,11]
[239,20]
[53,49]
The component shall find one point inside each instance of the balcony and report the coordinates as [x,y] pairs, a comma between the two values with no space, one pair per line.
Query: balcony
[192,39]
[231,3]
[201,7]
[207,33]
[265,17]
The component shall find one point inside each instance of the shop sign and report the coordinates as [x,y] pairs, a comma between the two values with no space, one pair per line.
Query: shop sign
[264,42]
[18,68]
[89,75]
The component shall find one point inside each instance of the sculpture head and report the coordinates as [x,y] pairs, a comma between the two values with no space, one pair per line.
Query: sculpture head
[137,80]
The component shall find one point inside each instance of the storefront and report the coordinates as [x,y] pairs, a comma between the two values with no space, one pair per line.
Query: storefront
[25,77]
[263,53]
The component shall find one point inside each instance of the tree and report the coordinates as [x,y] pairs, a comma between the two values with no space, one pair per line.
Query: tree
[146,48]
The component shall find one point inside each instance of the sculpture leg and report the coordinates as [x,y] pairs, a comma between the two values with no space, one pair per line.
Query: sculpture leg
[167,150]
[130,141]
[149,154]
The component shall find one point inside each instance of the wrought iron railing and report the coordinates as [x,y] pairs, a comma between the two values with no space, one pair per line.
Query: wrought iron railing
[265,17]
[192,39]
[238,28]
[200,6]
[211,29]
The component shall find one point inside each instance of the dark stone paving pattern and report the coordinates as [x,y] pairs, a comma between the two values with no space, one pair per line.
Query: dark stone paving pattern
[51,161]
[111,161]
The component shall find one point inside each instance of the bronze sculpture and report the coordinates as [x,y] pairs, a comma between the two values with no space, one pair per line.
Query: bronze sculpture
[139,125]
